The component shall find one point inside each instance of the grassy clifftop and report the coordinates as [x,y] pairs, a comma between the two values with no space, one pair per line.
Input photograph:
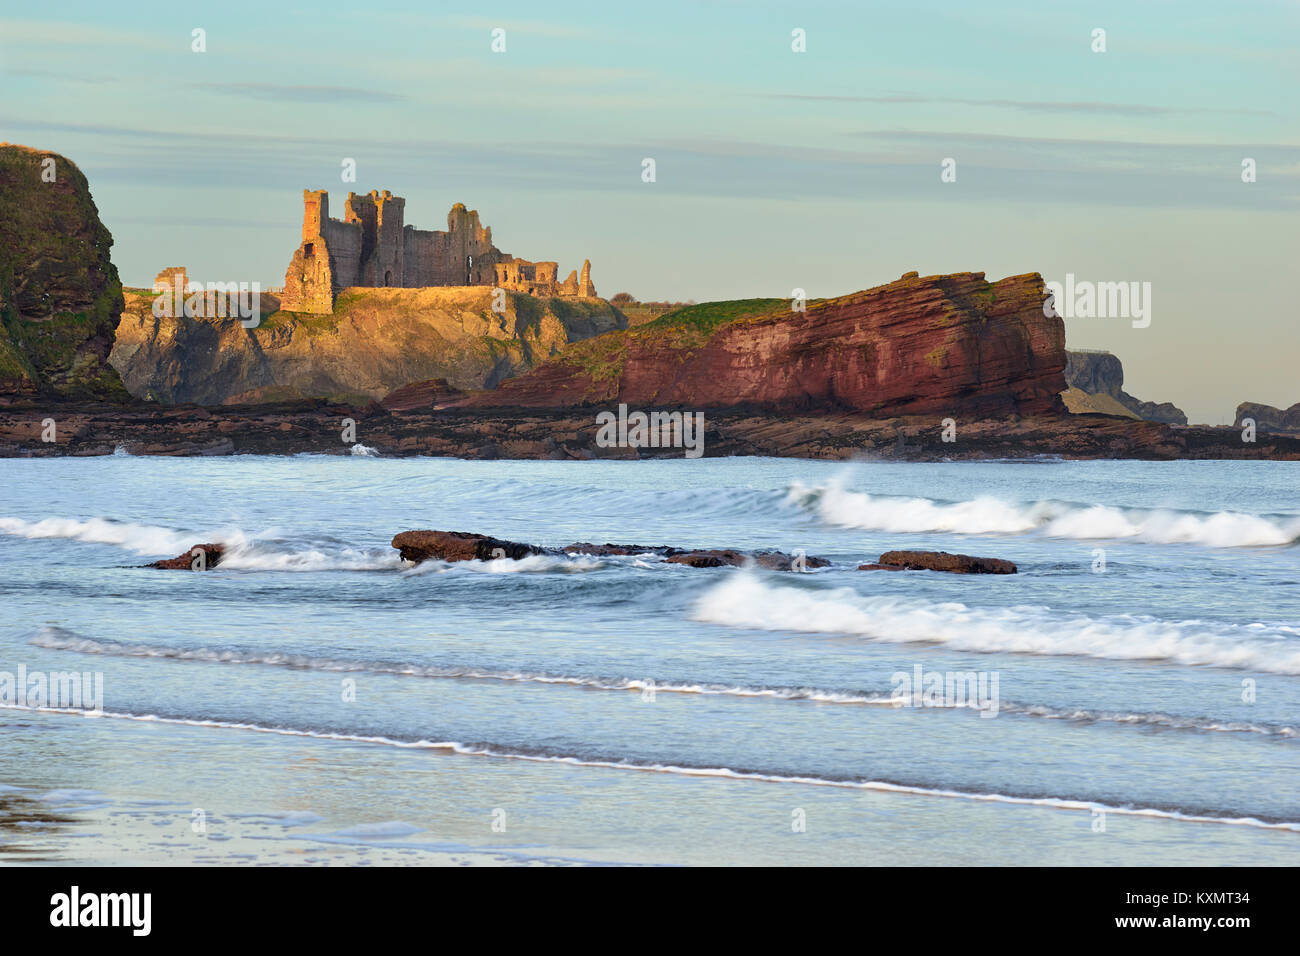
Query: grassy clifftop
[679,330]
[60,295]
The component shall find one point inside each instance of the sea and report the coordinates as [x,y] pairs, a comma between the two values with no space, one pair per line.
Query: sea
[1130,697]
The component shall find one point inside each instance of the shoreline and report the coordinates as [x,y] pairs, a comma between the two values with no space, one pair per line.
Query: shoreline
[321,427]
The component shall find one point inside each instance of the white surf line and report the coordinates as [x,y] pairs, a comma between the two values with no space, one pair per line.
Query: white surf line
[82,645]
[1054,803]
[806,694]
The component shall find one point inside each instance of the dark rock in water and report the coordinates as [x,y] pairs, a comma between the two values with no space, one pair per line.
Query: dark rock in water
[615,550]
[939,561]
[420,546]
[771,560]
[709,558]
[703,558]
[459,546]
[201,557]
[780,561]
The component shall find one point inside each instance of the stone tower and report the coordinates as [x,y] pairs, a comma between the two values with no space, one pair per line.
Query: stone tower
[373,247]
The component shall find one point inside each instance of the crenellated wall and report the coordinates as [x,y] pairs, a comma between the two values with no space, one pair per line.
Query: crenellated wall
[373,247]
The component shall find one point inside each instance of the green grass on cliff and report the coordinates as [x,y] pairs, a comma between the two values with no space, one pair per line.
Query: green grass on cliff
[309,322]
[15,370]
[61,352]
[708,317]
[681,330]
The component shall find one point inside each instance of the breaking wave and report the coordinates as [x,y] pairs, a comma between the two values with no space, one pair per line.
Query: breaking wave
[59,639]
[836,505]
[745,600]
[243,553]
[139,538]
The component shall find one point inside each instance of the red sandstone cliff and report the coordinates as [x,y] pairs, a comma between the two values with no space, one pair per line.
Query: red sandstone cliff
[953,345]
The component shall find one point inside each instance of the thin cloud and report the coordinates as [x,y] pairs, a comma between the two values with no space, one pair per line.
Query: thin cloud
[25,34]
[536,27]
[303,94]
[1031,106]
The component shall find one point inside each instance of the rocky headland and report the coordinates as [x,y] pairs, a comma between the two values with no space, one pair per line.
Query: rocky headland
[1096,385]
[953,345]
[1269,420]
[60,295]
[922,368]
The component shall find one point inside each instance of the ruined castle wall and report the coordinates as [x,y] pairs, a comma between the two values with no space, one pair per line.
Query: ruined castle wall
[361,209]
[309,284]
[421,254]
[372,246]
[387,266]
[344,241]
[440,258]
[535,278]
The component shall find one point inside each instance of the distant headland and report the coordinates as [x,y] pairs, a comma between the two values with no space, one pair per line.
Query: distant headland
[438,343]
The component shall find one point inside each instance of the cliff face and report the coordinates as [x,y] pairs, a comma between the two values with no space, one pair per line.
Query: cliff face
[59,291]
[375,341]
[953,345]
[1096,381]
[1270,420]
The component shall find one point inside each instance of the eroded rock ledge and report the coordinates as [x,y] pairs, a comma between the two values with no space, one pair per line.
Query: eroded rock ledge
[451,546]
[939,561]
[420,546]
[314,428]
[201,557]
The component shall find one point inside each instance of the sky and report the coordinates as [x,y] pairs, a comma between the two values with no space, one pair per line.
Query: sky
[775,170]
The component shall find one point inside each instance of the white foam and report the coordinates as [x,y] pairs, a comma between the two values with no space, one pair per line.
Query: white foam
[243,553]
[252,556]
[364,451]
[836,505]
[746,600]
[532,564]
[140,538]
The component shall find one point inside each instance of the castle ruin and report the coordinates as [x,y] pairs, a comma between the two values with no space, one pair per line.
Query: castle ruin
[372,246]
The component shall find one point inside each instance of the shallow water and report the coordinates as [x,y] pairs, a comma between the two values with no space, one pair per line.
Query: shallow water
[1141,672]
